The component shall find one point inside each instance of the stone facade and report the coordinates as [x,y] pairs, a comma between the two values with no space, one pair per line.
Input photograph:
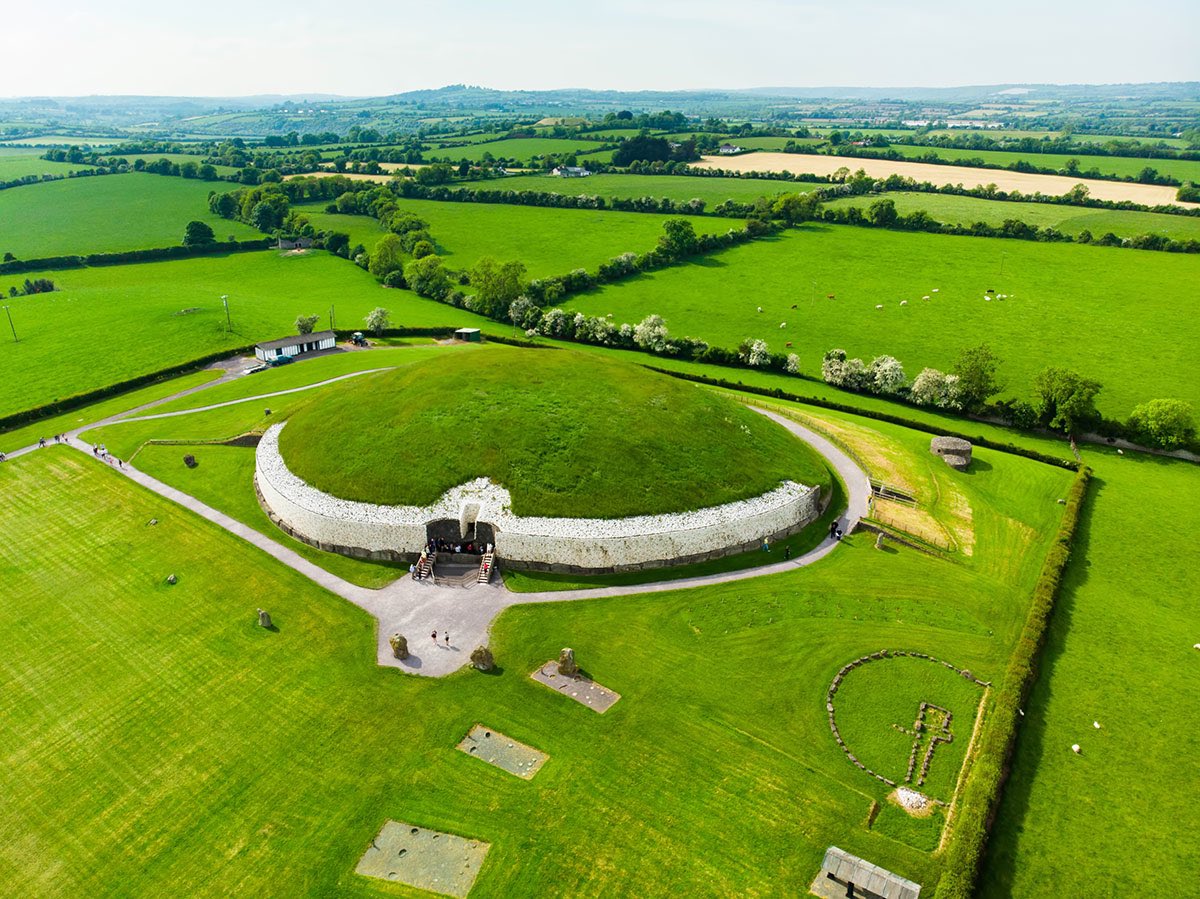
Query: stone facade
[560,544]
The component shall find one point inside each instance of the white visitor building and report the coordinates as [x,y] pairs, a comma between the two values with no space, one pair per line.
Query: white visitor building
[271,350]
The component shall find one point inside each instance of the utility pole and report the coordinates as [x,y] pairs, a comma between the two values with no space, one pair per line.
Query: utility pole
[225,300]
[10,324]
[331,327]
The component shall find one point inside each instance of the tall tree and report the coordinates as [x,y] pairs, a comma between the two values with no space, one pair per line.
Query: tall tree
[1065,399]
[976,370]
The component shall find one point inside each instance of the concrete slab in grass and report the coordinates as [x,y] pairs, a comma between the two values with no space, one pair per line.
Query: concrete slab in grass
[425,859]
[596,697]
[503,752]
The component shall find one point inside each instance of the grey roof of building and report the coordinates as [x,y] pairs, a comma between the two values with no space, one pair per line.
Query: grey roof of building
[877,881]
[314,337]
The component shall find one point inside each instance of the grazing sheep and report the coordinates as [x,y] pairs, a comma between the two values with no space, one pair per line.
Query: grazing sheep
[936,289]
[1075,749]
[782,325]
[1096,724]
[925,297]
[760,308]
[880,306]
[904,302]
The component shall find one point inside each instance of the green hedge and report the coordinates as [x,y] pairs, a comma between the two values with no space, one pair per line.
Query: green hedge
[989,767]
[49,263]
[776,393]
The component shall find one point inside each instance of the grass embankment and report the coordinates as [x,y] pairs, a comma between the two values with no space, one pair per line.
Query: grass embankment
[568,434]
[106,214]
[233,759]
[105,325]
[549,241]
[952,210]
[1058,313]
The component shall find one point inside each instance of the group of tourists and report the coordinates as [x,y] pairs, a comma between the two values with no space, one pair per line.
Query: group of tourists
[438,545]
[100,451]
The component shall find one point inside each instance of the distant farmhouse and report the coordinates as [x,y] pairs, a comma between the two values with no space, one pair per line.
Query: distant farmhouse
[273,350]
[728,149]
[571,171]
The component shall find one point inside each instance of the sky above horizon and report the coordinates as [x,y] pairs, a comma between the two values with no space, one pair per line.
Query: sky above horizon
[376,47]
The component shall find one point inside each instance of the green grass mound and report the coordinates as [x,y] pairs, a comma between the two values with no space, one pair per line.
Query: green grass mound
[568,434]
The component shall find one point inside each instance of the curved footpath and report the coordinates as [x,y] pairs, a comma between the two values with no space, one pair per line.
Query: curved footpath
[417,608]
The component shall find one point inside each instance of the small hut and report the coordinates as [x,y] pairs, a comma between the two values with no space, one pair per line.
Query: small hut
[470,335]
[954,451]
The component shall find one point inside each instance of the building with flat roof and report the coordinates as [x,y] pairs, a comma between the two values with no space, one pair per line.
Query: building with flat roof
[297,345]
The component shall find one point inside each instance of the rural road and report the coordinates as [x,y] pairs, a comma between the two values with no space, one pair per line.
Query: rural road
[417,608]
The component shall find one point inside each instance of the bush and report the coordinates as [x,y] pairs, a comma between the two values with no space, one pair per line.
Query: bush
[1167,424]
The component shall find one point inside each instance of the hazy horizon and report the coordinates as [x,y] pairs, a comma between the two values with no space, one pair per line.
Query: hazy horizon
[136,48]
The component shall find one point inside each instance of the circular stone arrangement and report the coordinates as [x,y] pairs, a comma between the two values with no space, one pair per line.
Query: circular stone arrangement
[836,683]
[569,462]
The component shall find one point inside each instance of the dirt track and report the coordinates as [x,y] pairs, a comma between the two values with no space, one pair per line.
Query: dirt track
[1050,185]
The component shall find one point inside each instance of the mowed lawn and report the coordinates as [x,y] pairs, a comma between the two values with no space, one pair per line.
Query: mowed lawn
[232,759]
[549,241]
[1103,311]
[1121,166]
[105,325]
[953,209]
[713,191]
[107,214]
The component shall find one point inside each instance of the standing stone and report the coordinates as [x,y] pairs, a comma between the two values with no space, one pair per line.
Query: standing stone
[189,460]
[264,619]
[482,659]
[879,541]
[399,646]
[566,663]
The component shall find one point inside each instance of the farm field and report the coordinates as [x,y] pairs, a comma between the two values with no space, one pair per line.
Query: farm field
[302,758]
[1050,185]
[1057,315]
[680,188]
[466,231]
[106,214]
[953,209]
[20,164]
[137,319]
[1123,166]
[521,149]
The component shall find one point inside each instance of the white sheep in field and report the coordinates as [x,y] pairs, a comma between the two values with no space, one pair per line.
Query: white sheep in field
[880,306]
[782,325]
[904,302]
[936,289]
[925,297]
[760,308]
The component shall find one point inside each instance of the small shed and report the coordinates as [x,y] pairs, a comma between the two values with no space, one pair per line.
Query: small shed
[470,335]
[850,875]
[954,451]
[297,345]
[295,243]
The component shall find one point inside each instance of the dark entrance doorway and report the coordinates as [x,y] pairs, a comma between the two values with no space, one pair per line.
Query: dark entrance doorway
[479,533]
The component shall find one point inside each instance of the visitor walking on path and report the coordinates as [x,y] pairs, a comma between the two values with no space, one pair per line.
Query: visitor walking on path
[447,639]
[434,635]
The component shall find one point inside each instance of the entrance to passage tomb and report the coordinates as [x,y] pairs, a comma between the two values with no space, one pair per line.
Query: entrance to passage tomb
[450,530]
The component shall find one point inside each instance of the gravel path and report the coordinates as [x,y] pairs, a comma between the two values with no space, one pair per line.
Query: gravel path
[417,608]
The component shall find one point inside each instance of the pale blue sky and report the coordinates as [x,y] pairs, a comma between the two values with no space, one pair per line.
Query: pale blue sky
[372,47]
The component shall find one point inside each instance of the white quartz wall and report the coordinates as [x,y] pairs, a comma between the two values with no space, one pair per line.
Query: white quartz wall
[580,542]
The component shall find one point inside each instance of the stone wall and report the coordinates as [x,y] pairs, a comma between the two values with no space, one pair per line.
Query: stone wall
[559,544]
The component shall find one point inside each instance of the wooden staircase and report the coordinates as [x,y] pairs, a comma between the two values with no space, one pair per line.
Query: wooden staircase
[425,568]
[485,568]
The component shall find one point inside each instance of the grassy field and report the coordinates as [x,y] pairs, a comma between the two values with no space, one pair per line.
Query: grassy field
[106,214]
[1059,312]
[675,187]
[285,751]
[1123,166]
[519,149]
[548,241]
[135,319]
[1068,219]
[547,436]
[15,165]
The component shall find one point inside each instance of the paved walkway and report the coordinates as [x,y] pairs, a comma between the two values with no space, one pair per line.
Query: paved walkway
[418,608]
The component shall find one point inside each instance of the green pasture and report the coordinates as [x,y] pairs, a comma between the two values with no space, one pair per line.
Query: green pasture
[106,214]
[20,165]
[1122,166]
[520,149]
[953,209]
[549,241]
[287,754]
[680,188]
[547,436]
[135,319]
[1102,311]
